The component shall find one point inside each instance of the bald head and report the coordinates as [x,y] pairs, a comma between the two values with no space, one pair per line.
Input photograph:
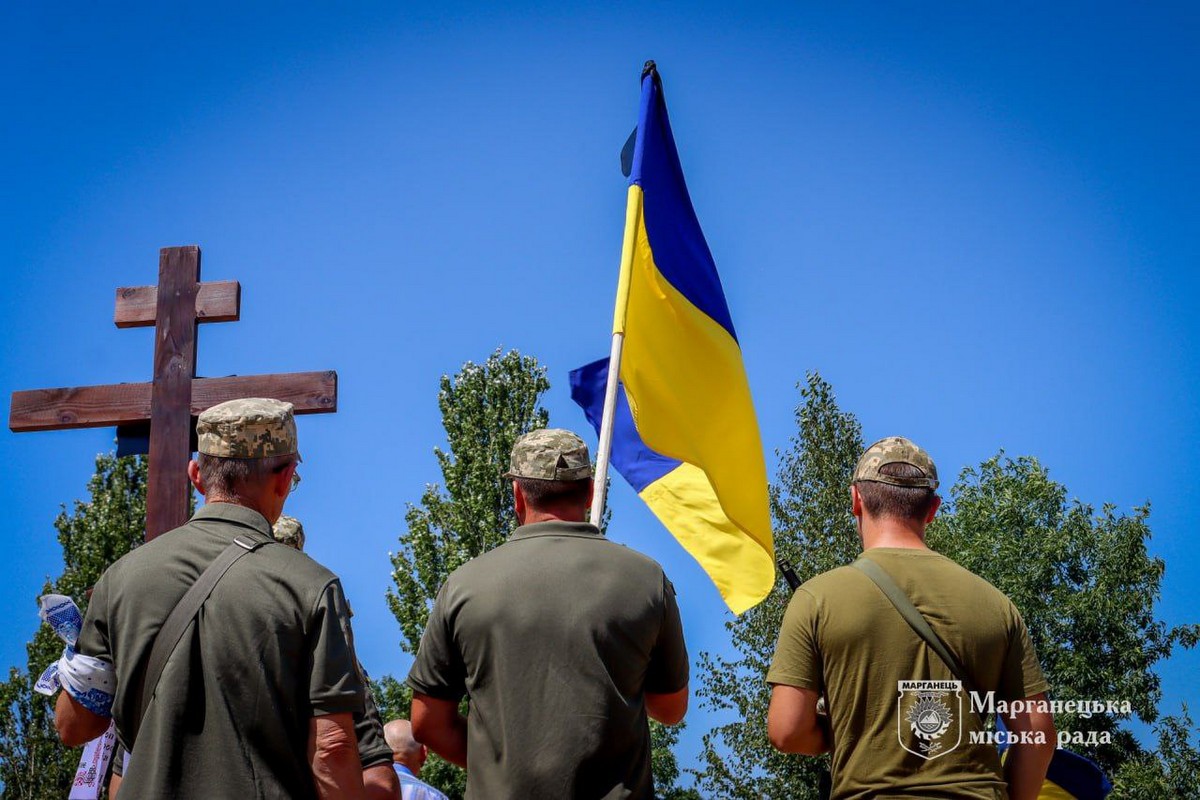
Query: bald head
[405,749]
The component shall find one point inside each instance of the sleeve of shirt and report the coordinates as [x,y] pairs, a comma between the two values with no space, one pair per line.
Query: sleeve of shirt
[1022,676]
[668,670]
[797,660]
[335,685]
[373,749]
[93,636]
[438,670]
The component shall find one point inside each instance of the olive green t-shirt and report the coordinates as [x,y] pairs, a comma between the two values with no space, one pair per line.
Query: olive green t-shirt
[555,637]
[270,648]
[843,638]
[373,748]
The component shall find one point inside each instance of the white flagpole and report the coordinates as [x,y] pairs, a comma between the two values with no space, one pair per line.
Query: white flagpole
[633,216]
[604,451]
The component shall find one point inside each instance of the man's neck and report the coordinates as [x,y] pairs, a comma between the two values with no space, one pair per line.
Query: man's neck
[532,516]
[892,532]
[236,501]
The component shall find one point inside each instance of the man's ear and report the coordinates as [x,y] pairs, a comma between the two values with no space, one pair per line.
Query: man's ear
[194,476]
[282,480]
[519,505]
[855,501]
[933,509]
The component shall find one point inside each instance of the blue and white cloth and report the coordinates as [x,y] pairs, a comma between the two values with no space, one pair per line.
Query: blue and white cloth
[91,681]
[413,788]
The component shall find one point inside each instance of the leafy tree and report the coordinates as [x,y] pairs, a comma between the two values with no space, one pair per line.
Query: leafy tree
[1084,582]
[815,532]
[485,408]
[33,764]
[1172,771]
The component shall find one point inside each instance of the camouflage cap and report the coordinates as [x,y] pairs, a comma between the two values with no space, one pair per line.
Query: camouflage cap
[253,427]
[288,530]
[550,454]
[896,450]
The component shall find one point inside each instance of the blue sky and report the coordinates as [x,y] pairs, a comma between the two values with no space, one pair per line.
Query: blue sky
[977,222]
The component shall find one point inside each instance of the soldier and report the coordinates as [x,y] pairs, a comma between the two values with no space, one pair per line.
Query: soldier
[374,750]
[900,715]
[562,641]
[257,697]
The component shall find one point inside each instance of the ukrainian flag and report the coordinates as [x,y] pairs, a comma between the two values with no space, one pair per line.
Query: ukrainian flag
[1070,775]
[686,436]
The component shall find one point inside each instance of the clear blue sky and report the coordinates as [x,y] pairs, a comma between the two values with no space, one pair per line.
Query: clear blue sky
[978,222]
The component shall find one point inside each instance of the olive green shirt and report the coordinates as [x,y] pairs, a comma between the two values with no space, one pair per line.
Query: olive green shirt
[843,638]
[555,637]
[270,648]
[373,748]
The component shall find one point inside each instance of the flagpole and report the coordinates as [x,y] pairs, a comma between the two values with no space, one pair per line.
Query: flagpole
[633,216]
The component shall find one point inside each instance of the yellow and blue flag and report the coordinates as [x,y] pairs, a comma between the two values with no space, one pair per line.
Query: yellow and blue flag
[1070,775]
[685,435]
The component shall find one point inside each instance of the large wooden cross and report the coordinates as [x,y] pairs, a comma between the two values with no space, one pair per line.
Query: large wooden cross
[169,403]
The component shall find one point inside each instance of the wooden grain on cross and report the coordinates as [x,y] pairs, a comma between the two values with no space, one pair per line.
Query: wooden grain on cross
[174,396]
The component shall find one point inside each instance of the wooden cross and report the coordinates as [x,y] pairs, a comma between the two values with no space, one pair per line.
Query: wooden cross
[175,396]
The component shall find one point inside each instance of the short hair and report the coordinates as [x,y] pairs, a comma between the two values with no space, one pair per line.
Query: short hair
[903,502]
[230,476]
[542,494]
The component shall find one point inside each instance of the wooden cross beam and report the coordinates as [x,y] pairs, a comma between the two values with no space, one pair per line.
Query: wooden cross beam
[170,401]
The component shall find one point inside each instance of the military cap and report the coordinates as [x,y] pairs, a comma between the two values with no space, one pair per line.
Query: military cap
[550,454]
[254,427]
[896,450]
[288,530]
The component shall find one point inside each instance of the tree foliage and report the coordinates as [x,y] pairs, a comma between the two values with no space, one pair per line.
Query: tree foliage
[485,408]
[33,764]
[1083,580]
[815,532]
[1173,770]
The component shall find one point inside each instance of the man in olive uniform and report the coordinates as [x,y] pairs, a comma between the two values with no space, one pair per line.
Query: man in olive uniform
[374,750]
[899,722]
[257,698]
[562,641]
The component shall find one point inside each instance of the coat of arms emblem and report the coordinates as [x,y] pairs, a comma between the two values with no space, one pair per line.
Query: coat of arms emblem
[929,717]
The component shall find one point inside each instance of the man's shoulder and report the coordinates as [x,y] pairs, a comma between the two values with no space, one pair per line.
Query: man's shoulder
[296,565]
[830,582]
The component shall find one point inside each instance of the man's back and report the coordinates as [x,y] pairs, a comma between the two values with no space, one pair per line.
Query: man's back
[270,648]
[866,649]
[555,636]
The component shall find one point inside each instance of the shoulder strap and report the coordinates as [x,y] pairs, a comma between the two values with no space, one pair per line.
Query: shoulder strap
[913,617]
[185,611]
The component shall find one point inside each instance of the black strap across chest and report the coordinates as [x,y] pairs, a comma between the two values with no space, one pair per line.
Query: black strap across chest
[915,619]
[185,611]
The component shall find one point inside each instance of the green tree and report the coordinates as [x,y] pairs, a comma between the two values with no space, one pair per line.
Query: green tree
[814,532]
[33,764]
[1084,583]
[1083,580]
[1172,771]
[485,408]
